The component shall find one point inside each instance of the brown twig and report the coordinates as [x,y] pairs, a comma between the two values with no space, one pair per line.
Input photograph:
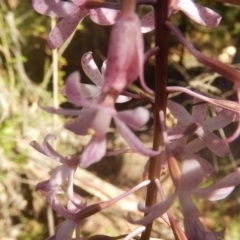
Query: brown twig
[161,41]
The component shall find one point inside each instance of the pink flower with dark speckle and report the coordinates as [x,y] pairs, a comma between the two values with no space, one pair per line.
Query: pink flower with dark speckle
[71,13]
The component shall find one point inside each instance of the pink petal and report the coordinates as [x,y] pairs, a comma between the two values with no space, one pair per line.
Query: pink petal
[125,55]
[122,99]
[188,207]
[156,211]
[102,120]
[132,140]
[207,168]
[52,199]
[194,146]
[147,22]
[60,111]
[94,151]
[53,8]
[72,90]
[194,229]
[82,124]
[37,147]
[91,69]
[65,230]
[94,208]
[135,118]
[48,149]
[74,204]
[213,142]
[180,113]
[221,189]
[79,2]
[58,176]
[176,136]
[90,91]
[192,175]
[103,68]
[179,128]
[65,28]
[199,111]
[224,118]
[76,201]
[134,233]
[104,16]
[199,14]
[44,187]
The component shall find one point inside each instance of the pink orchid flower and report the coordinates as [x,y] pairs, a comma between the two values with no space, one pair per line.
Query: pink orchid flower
[96,120]
[199,14]
[125,57]
[194,228]
[72,13]
[203,128]
[74,215]
[92,92]
[59,174]
[187,184]
[229,72]
[191,178]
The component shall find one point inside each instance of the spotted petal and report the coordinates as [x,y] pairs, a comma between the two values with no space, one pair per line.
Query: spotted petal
[65,28]
[213,142]
[180,113]
[199,111]
[53,8]
[91,70]
[224,118]
[147,22]
[198,13]
[104,16]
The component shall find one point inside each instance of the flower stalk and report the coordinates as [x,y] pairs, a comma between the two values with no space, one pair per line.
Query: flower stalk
[161,63]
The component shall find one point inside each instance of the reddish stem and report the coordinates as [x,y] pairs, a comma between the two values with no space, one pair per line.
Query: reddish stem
[161,63]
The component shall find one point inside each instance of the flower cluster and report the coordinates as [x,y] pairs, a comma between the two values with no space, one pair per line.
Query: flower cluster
[176,149]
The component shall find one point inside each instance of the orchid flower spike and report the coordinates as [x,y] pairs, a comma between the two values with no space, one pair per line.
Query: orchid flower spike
[199,14]
[72,13]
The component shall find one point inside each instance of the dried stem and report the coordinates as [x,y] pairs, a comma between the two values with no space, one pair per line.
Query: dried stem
[161,41]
